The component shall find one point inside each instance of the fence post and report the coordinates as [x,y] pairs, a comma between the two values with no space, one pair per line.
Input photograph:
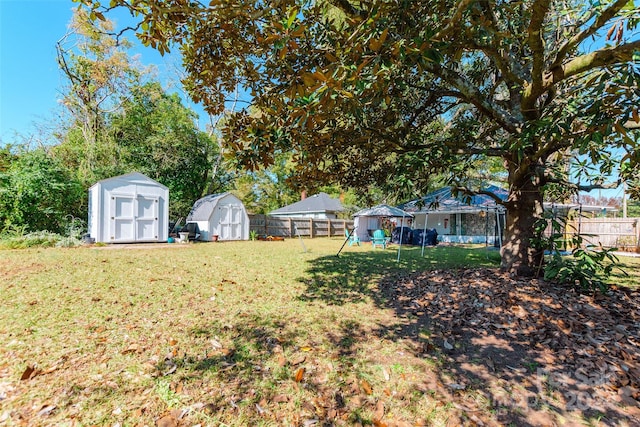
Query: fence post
[266,225]
[311,228]
[291,234]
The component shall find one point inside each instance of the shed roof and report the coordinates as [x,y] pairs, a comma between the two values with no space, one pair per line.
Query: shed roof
[443,200]
[131,177]
[318,203]
[203,208]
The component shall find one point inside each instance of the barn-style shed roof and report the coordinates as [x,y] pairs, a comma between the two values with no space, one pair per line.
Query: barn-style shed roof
[203,208]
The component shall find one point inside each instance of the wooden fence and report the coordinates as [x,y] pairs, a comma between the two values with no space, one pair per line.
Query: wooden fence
[608,232]
[265,225]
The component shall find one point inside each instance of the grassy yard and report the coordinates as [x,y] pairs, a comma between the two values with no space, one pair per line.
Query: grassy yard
[234,333]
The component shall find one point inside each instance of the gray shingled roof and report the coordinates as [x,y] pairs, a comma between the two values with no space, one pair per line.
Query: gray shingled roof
[317,203]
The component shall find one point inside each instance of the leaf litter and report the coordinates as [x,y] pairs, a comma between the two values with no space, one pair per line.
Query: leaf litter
[524,345]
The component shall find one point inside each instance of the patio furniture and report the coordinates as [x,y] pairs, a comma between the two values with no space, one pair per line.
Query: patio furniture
[353,237]
[379,239]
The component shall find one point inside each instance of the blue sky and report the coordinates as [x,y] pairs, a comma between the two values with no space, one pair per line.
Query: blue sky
[30,81]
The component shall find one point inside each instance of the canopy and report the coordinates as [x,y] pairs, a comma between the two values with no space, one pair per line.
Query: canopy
[383,211]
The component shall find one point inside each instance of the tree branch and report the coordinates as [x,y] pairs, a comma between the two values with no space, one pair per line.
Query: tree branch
[579,187]
[453,23]
[470,192]
[473,95]
[540,8]
[574,41]
[600,58]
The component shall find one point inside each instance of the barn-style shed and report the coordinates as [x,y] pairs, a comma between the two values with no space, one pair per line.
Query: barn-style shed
[130,208]
[222,215]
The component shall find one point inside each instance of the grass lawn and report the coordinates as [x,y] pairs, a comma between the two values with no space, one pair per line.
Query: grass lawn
[250,333]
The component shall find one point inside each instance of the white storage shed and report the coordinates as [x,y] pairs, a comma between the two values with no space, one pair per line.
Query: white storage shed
[222,215]
[129,208]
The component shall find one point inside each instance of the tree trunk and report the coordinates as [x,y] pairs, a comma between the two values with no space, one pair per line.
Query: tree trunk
[524,208]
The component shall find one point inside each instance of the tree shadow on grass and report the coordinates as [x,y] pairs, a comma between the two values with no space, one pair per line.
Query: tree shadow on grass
[258,370]
[511,351]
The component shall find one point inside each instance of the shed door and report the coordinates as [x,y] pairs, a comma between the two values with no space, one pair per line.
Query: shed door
[231,222]
[147,218]
[122,218]
[133,218]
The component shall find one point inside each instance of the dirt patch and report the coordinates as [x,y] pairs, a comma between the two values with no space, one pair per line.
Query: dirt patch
[527,351]
[9,270]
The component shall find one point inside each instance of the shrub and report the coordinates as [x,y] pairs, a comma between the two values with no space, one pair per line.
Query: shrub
[587,268]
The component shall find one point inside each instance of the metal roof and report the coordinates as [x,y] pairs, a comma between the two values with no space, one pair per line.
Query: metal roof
[202,208]
[443,200]
[383,211]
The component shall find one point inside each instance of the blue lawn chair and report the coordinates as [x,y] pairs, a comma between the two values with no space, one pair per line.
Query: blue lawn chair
[379,239]
[353,237]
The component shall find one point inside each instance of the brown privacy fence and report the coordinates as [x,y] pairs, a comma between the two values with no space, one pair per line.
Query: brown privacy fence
[293,227]
[623,233]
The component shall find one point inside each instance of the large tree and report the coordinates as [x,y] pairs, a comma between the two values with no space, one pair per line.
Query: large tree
[99,74]
[359,91]
[157,135]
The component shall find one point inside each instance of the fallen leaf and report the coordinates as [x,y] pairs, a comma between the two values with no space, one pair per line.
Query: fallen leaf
[171,370]
[167,421]
[133,348]
[447,345]
[299,360]
[280,398]
[282,361]
[306,348]
[366,387]
[385,374]
[46,410]
[378,414]
[299,375]
[30,372]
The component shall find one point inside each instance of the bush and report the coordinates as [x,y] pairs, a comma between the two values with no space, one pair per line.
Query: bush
[587,269]
[18,238]
[38,193]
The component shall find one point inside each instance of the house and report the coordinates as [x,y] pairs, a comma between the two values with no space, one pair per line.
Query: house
[478,218]
[220,217]
[460,219]
[319,206]
[129,208]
